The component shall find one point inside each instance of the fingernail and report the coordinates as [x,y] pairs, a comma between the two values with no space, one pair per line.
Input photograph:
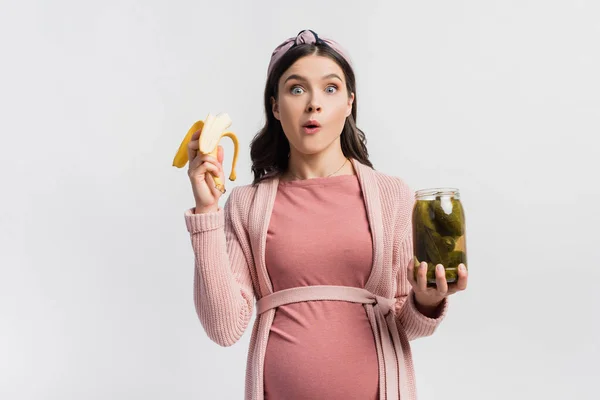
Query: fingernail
[439,268]
[462,267]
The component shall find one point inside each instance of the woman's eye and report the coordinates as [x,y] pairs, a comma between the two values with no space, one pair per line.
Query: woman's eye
[333,87]
[296,90]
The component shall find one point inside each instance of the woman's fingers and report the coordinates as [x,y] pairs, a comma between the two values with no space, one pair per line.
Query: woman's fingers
[220,154]
[210,182]
[461,283]
[440,280]
[463,276]
[196,135]
[442,288]
[200,168]
[411,273]
[204,158]
[213,187]
[193,147]
[210,167]
[422,277]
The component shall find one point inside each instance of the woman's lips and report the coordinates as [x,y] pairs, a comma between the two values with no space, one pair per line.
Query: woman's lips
[311,126]
[311,130]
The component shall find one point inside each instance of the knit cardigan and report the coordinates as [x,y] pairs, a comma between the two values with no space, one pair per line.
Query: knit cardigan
[231,276]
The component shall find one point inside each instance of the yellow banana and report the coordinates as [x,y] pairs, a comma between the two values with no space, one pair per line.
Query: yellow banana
[212,130]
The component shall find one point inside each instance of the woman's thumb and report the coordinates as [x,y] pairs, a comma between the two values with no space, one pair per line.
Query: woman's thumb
[220,154]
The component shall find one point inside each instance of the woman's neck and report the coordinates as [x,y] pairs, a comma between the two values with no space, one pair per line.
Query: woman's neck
[317,166]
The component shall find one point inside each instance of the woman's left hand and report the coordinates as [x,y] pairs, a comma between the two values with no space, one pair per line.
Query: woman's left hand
[431,297]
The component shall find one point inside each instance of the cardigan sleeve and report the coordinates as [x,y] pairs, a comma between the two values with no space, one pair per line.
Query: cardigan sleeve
[412,321]
[223,288]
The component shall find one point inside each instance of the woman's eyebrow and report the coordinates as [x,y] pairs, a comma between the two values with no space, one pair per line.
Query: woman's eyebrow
[301,78]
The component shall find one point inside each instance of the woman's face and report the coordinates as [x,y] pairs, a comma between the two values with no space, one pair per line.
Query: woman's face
[313,91]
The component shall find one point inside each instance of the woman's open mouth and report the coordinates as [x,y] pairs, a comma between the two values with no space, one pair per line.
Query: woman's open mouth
[311,127]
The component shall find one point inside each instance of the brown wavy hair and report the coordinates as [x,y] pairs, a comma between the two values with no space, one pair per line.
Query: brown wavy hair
[269,148]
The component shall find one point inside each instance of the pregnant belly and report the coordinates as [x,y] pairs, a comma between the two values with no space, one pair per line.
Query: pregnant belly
[321,350]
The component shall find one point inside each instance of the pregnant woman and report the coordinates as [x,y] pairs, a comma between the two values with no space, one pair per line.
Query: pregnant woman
[319,245]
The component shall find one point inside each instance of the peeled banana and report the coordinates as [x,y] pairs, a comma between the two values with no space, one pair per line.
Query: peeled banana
[213,128]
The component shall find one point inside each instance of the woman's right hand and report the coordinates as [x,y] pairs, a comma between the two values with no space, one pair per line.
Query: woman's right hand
[200,167]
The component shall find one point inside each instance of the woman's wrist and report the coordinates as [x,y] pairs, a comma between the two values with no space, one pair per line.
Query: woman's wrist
[205,210]
[428,308]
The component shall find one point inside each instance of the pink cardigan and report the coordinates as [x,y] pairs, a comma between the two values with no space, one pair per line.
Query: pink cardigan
[231,275]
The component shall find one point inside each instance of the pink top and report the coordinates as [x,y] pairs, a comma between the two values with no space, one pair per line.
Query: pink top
[319,235]
[231,282]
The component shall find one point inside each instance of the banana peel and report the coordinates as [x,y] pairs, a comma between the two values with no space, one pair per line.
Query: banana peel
[212,130]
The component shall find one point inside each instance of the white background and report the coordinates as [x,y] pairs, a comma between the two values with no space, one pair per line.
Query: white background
[498,98]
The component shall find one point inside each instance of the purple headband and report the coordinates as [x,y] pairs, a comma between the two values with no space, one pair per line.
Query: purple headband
[304,37]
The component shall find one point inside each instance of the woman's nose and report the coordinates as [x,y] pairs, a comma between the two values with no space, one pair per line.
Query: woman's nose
[313,107]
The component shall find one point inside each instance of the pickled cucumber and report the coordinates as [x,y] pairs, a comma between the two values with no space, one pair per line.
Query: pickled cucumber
[418,233]
[422,222]
[451,222]
[424,214]
[435,247]
[451,275]
[456,258]
[450,242]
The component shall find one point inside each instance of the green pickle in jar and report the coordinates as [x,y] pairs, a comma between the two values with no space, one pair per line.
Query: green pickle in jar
[439,235]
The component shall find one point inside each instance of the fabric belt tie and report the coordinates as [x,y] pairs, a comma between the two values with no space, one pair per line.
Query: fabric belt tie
[393,378]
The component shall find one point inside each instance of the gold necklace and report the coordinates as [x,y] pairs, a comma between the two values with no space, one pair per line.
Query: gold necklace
[338,170]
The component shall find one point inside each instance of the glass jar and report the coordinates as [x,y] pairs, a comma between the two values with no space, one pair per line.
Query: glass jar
[439,235]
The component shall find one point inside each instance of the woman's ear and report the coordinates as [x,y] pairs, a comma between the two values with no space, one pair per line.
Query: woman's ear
[275,108]
[350,102]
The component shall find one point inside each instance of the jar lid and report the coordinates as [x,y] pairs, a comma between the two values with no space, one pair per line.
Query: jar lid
[436,192]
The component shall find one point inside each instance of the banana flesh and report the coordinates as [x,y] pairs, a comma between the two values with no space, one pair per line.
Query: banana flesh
[213,128]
